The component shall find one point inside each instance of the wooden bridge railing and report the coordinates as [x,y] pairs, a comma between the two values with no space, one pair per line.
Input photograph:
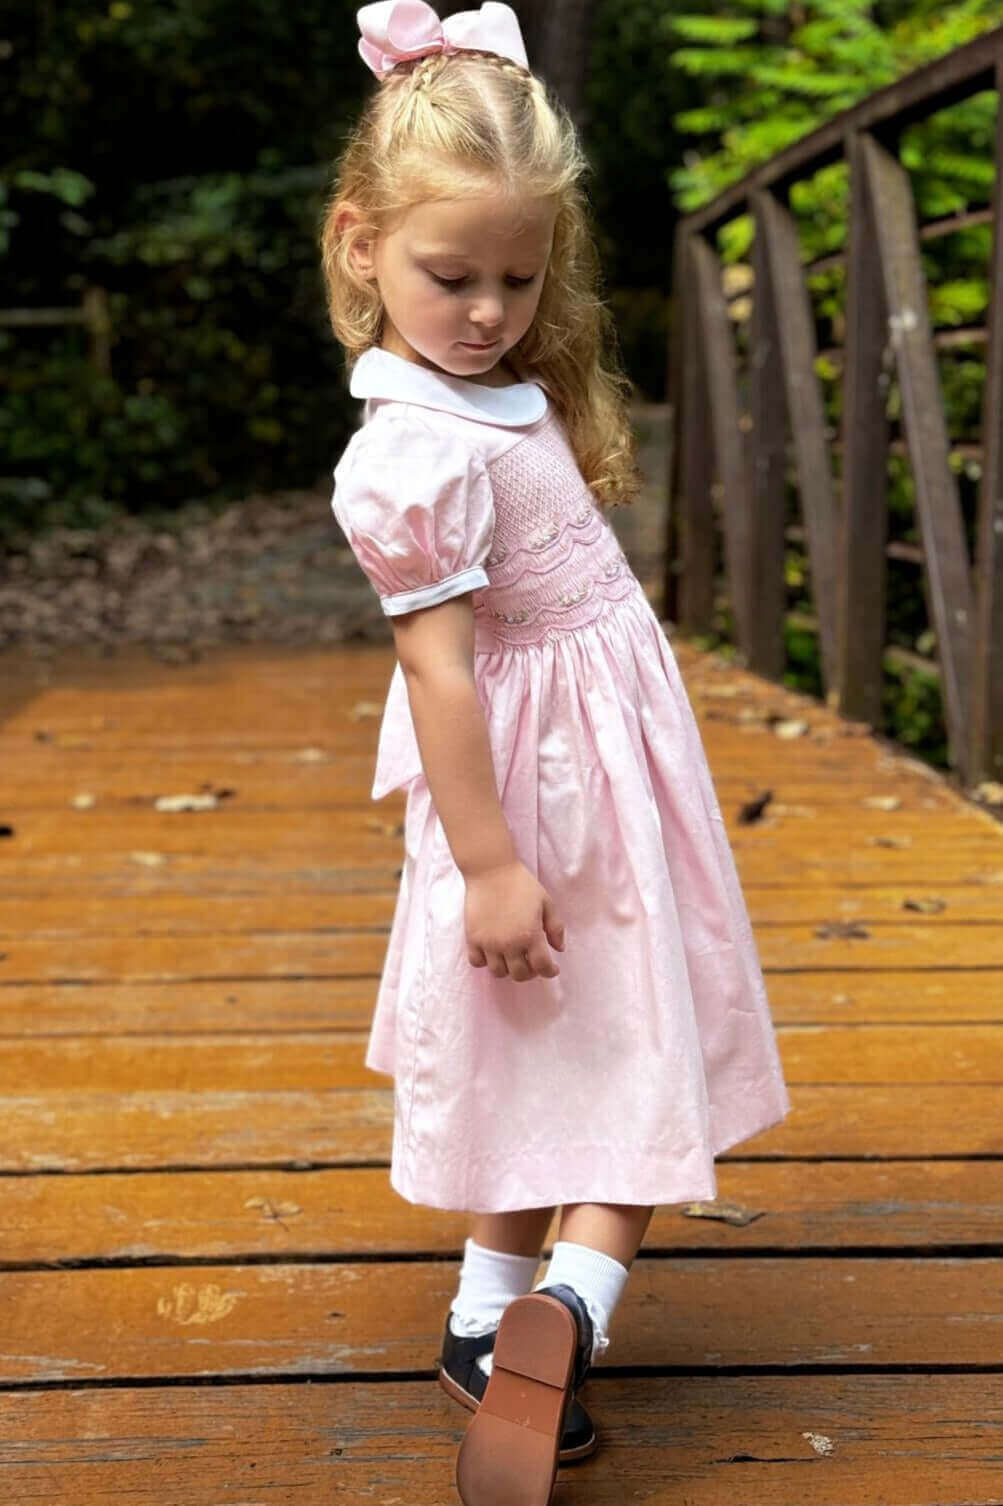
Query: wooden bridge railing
[740,455]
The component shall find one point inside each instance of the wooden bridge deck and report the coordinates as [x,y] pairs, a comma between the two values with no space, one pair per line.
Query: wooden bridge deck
[210,1296]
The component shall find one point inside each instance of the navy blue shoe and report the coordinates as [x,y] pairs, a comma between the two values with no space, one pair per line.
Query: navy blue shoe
[462,1378]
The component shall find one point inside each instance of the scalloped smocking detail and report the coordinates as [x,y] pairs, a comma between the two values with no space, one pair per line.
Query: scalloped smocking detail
[555,563]
[560,614]
[551,532]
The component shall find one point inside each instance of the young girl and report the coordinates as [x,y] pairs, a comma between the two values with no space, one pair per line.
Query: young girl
[571,1006]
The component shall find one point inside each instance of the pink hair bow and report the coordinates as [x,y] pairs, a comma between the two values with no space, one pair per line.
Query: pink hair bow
[395,30]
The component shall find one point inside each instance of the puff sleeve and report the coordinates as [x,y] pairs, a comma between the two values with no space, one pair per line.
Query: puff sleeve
[417,510]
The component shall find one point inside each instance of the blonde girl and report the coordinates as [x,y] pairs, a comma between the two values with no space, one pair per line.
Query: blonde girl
[571,1005]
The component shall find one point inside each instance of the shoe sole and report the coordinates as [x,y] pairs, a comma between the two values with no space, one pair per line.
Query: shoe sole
[509,1453]
[565,1455]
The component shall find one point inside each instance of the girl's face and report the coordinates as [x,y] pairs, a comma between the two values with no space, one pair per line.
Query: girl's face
[461,279]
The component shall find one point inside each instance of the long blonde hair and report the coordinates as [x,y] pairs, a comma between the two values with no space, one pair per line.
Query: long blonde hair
[448,123]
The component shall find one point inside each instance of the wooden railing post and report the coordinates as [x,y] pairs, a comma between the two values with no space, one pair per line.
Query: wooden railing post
[946,573]
[717,356]
[862,574]
[766,460]
[695,463]
[986,717]
[791,324]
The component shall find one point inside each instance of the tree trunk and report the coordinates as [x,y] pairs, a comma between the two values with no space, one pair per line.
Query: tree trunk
[557,34]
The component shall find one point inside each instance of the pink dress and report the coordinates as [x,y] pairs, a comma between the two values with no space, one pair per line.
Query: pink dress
[653,1051]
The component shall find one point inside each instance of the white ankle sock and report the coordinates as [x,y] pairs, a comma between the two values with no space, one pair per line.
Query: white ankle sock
[597,1278]
[489,1281]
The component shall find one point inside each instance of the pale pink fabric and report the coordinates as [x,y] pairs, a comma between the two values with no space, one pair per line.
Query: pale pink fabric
[654,1050]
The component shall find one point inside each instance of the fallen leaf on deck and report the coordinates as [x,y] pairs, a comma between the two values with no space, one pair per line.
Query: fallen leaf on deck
[753,809]
[728,1213]
[931,906]
[387,829]
[185,803]
[273,1210]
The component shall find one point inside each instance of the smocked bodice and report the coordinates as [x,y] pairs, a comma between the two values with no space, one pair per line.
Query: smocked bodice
[555,563]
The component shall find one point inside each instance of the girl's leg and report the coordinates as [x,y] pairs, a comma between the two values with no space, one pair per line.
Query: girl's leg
[520,1233]
[593,1254]
[616,1229]
[500,1263]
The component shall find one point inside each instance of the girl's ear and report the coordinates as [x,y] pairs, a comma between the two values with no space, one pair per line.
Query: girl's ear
[361,248]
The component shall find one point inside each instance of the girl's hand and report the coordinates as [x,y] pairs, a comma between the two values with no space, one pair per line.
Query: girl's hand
[509,919]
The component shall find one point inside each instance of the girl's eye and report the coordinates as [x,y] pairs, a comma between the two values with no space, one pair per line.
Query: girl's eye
[457,282]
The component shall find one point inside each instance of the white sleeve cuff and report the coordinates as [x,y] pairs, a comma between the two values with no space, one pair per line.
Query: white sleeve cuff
[439,590]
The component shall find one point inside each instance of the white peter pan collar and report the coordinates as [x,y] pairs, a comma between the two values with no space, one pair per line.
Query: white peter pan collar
[380,375]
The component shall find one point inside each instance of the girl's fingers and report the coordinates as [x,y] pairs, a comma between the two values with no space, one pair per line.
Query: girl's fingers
[542,963]
[519,966]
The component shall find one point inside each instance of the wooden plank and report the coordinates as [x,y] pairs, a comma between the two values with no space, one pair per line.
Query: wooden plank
[733,782]
[386,1317]
[112,912]
[346,1212]
[85,1131]
[713,1440]
[883,859]
[167,958]
[312,907]
[116,1007]
[315,1060]
[88,1131]
[355,829]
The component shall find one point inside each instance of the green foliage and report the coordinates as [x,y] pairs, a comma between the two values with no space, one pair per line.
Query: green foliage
[200,220]
[801,66]
[809,62]
[914,713]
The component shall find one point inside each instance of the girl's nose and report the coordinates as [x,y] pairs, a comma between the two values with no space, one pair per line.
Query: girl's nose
[488,314]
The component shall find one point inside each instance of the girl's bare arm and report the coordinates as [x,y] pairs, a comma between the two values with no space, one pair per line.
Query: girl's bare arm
[435,646]
[509,918]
